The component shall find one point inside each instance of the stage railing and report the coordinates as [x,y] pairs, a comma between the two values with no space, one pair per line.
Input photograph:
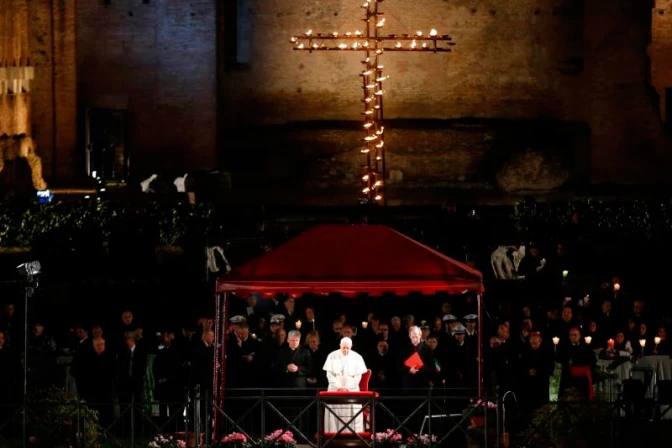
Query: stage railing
[447,417]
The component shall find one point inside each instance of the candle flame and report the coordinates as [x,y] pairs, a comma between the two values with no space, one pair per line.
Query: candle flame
[433,32]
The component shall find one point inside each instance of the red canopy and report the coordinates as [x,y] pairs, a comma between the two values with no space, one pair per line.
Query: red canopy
[351,259]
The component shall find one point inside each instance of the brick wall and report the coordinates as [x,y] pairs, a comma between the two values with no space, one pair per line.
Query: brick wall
[566,61]
[158,60]
[660,51]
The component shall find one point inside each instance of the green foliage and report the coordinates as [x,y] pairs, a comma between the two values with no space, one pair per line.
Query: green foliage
[599,221]
[57,419]
[571,422]
[25,225]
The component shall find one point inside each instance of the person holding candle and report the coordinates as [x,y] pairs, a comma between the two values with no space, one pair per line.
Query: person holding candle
[287,309]
[559,267]
[619,344]
[531,267]
[661,344]
[308,322]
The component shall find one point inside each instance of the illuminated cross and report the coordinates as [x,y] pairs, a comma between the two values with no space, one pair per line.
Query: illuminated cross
[373,45]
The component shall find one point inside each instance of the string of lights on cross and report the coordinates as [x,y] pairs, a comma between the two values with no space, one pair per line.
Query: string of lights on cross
[373,44]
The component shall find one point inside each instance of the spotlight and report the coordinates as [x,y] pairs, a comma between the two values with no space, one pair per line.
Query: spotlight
[44,197]
[29,269]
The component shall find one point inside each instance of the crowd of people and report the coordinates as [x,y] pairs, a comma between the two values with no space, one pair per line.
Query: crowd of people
[109,366]
[285,343]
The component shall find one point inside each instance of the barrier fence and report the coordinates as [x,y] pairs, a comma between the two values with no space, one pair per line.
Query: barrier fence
[448,418]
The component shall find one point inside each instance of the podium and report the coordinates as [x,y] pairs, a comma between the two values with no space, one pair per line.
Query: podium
[345,437]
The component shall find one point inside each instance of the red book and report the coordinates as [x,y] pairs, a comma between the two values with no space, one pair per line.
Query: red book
[414,361]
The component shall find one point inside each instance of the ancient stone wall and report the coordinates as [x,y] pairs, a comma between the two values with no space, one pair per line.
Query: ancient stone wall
[563,61]
[37,86]
[157,60]
[660,51]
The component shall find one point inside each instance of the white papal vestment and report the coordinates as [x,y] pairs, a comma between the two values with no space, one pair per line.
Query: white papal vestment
[344,372]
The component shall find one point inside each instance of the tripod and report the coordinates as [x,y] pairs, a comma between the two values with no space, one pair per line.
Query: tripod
[29,291]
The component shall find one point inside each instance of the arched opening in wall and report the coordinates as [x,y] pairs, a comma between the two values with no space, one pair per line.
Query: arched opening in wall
[237,33]
[107,155]
[668,108]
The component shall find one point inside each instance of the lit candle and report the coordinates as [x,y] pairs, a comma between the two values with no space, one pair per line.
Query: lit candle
[556,340]
[642,342]
[610,344]
[588,339]
[565,274]
[656,340]
[254,335]
[313,321]
[298,324]
[617,286]
[365,325]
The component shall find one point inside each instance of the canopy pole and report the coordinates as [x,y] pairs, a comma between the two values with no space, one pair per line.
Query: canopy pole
[219,374]
[479,338]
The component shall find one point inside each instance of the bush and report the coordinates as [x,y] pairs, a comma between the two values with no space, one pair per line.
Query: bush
[57,419]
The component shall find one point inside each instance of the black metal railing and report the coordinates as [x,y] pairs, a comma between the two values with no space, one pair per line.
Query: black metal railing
[447,417]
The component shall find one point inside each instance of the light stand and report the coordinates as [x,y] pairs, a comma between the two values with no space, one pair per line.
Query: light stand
[30,271]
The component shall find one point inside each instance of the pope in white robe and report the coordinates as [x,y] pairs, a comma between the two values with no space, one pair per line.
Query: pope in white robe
[344,370]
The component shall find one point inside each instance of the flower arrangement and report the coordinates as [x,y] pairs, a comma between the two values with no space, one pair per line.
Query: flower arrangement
[280,439]
[234,440]
[55,418]
[161,441]
[478,408]
[388,438]
[420,441]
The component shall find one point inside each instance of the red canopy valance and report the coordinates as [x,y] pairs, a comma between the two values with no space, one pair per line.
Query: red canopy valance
[351,259]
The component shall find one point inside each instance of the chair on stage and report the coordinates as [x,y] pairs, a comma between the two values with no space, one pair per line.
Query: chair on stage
[363,397]
[364,387]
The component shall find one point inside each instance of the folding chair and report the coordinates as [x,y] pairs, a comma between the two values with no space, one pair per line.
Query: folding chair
[663,398]
[632,398]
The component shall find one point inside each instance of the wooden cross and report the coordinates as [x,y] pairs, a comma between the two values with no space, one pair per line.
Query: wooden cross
[373,44]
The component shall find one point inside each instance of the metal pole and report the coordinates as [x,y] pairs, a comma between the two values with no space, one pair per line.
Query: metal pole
[197,415]
[28,292]
[25,366]
[206,441]
[497,434]
[479,337]
[133,420]
[485,426]
[429,413]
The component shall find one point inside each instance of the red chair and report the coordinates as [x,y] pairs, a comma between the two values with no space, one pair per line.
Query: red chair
[364,382]
[366,412]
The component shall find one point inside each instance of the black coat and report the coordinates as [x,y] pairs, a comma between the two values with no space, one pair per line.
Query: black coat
[285,356]
[535,370]
[202,368]
[425,374]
